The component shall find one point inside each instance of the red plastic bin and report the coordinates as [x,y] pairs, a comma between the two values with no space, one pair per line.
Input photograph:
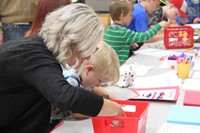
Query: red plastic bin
[177,37]
[134,122]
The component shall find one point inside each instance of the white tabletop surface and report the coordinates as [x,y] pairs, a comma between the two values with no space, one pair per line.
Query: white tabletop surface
[157,111]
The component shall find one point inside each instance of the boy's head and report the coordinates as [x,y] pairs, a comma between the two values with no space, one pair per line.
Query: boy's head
[176,8]
[150,5]
[121,10]
[103,66]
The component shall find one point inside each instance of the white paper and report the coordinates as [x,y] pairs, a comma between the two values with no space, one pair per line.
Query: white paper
[194,26]
[129,108]
[194,74]
[196,65]
[120,93]
[162,80]
[141,70]
[154,52]
[157,94]
[178,128]
[191,84]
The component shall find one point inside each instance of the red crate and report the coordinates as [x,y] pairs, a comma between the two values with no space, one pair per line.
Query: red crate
[134,122]
[177,37]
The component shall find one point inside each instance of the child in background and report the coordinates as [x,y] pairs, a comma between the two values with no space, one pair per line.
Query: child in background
[169,12]
[193,13]
[103,66]
[139,21]
[121,38]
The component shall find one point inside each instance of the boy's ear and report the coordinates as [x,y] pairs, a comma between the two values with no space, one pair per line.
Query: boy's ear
[171,5]
[89,68]
[122,15]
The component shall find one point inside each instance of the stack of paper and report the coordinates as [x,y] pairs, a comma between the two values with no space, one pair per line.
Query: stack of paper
[188,115]
[191,84]
[182,119]
[191,98]
[162,80]
[178,128]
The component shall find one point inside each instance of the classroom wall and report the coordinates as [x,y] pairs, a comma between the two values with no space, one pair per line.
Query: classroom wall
[105,19]
[99,5]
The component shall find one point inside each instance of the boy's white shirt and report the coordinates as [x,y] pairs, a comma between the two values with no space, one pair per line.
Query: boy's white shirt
[70,74]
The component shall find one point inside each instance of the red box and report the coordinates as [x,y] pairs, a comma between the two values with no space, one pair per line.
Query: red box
[177,37]
[134,122]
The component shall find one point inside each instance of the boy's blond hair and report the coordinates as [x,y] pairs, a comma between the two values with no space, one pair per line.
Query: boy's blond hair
[105,62]
[118,7]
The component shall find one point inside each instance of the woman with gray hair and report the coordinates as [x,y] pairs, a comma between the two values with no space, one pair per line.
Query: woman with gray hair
[31,78]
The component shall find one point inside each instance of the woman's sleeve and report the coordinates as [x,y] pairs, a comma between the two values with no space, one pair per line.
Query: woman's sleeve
[45,75]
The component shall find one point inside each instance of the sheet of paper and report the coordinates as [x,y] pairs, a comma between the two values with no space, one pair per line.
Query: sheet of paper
[120,93]
[179,114]
[129,108]
[194,74]
[140,70]
[191,84]
[196,65]
[195,26]
[162,93]
[178,128]
[154,52]
[162,80]
[191,98]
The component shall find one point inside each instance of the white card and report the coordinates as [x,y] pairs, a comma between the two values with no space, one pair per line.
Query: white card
[129,108]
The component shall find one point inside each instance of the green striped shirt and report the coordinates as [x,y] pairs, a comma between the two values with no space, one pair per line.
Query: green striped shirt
[120,39]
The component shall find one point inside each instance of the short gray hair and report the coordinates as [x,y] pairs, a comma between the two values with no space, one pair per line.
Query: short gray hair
[72,31]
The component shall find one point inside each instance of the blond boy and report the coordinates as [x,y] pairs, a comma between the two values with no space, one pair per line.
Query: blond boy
[103,66]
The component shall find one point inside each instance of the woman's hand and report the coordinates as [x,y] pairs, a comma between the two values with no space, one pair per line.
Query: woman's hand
[111,108]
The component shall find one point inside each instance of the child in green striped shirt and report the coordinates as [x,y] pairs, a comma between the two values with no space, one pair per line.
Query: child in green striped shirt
[121,38]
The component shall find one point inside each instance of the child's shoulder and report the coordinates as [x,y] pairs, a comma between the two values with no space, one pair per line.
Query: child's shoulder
[69,72]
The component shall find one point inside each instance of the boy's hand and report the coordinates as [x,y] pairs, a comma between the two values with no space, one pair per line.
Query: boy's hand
[184,20]
[135,45]
[164,24]
[196,20]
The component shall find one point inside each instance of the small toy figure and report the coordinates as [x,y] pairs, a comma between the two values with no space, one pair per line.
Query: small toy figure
[127,76]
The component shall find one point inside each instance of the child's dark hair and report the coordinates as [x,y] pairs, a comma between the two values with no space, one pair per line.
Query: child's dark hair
[118,7]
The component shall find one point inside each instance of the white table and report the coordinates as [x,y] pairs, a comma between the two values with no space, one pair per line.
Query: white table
[157,112]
